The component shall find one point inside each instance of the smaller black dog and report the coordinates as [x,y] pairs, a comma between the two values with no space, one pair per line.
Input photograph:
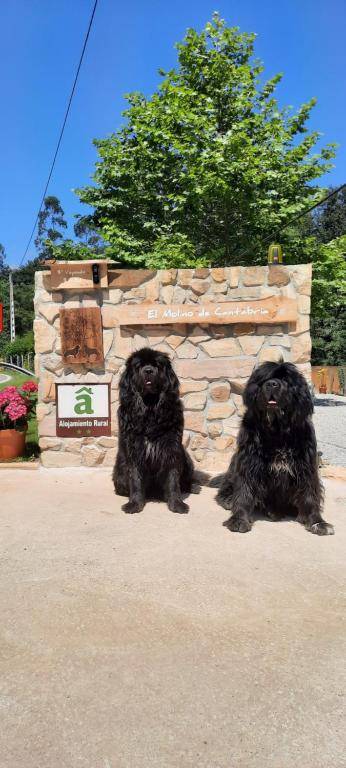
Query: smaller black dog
[275,468]
[151,460]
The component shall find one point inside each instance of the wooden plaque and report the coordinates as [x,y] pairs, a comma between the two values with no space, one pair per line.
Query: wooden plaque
[276,309]
[81,336]
[73,275]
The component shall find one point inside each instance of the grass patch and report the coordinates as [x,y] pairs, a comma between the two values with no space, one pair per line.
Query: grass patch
[31,447]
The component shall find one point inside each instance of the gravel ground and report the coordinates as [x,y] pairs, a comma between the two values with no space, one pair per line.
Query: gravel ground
[330,425]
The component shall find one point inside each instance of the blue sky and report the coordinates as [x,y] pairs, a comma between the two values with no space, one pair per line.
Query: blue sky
[40,46]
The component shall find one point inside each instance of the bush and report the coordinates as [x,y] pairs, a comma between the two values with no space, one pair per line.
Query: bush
[22,345]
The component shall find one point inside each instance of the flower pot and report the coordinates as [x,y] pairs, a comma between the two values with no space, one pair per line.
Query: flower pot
[12,443]
[322,389]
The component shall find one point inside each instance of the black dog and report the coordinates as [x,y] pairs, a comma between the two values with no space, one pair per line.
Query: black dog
[151,460]
[275,468]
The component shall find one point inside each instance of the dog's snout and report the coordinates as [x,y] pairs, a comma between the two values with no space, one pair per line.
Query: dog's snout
[271,386]
[148,370]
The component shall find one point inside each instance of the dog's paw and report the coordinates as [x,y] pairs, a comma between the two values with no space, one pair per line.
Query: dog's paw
[195,488]
[237,524]
[322,529]
[224,501]
[131,508]
[179,507]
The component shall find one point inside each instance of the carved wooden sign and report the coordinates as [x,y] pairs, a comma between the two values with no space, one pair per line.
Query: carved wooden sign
[81,336]
[73,275]
[276,309]
[83,410]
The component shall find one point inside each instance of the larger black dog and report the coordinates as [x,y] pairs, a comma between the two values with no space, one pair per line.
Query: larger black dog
[151,460]
[275,469]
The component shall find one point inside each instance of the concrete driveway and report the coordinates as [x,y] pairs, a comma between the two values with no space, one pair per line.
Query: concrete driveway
[164,641]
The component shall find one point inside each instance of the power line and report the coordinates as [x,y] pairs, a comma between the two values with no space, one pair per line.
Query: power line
[62,129]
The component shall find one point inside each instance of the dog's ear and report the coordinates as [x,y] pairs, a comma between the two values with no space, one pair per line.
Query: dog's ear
[250,394]
[126,387]
[303,405]
[172,379]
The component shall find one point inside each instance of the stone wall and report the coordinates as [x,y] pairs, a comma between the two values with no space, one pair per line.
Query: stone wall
[213,362]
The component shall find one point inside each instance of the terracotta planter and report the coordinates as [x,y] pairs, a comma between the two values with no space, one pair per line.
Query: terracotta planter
[12,443]
[322,389]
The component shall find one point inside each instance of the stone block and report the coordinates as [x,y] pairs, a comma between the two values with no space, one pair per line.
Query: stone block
[303,304]
[42,410]
[92,456]
[251,345]
[202,272]
[195,401]
[227,347]
[278,275]
[47,388]
[215,429]
[185,277]
[167,276]
[220,392]
[44,336]
[109,458]
[301,348]
[218,274]
[219,288]
[107,442]
[174,341]
[47,427]
[190,385]
[283,341]
[50,443]
[50,312]
[113,296]
[238,385]
[254,275]
[301,277]
[196,334]
[152,290]
[167,294]
[273,354]
[60,459]
[194,421]
[236,367]
[187,350]
[179,295]
[232,276]
[123,344]
[198,442]
[220,411]
[199,286]
[109,316]
[243,329]
[224,443]
[107,341]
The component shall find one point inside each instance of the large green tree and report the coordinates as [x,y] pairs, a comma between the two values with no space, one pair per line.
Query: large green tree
[209,166]
[51,221]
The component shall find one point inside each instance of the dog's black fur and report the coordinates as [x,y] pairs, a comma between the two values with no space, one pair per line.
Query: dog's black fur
[275,468]
[151,460]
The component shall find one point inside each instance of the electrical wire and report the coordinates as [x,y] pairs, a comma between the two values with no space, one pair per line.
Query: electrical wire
[62,129]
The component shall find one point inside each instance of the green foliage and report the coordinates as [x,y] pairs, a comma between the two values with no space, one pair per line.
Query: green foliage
[72,251]
[50,221]
[329,279]
[22,345]
[209,166]
[329,340]
[329,221]
[84,230]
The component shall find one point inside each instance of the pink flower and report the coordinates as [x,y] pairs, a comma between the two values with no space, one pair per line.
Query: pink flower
[29,386]
[16,409]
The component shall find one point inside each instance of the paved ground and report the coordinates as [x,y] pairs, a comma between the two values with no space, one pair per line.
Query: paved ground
[164,641]
[330,425]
